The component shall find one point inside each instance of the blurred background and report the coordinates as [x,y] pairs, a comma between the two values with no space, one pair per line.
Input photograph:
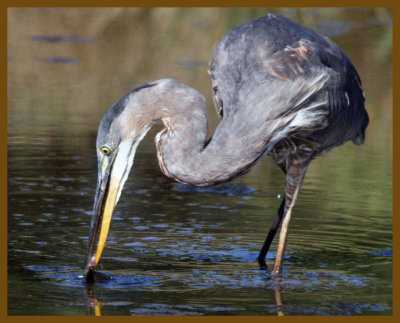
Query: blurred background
[66,66]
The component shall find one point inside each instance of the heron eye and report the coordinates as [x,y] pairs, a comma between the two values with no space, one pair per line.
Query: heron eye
[106,151]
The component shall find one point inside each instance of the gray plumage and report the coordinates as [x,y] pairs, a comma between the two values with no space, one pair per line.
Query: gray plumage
[280,89]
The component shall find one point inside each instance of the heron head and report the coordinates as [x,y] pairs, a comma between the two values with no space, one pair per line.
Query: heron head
[122,128]
[120,132]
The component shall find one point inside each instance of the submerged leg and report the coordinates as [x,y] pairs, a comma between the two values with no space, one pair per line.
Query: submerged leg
[274,227]
[294,178]
[271,234]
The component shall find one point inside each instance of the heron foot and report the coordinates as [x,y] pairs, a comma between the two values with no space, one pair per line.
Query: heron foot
[262,263]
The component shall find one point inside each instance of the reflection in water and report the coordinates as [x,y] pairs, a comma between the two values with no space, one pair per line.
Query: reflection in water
[92,304]
[277,286]
[174,250]
[278,297]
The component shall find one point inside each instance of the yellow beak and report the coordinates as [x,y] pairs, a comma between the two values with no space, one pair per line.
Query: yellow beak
[113,172]
[107,191]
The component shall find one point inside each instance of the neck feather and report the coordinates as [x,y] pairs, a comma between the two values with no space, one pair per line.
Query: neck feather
[181,150]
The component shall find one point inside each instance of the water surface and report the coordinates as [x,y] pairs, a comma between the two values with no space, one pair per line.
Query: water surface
[173,249]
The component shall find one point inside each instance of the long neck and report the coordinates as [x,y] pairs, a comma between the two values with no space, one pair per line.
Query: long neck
[181,147]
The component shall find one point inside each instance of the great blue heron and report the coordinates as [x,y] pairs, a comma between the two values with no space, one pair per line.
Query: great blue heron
[280,89]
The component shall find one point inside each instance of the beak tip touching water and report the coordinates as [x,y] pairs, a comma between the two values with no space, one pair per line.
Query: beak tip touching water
[113,172]
[109,185]
[91,264]
[89,274]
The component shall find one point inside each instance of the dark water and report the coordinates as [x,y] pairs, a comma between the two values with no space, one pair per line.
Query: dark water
[173,249]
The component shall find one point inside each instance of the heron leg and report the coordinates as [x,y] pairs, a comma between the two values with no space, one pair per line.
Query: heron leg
[274,227]
[271,234]
[294,179]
